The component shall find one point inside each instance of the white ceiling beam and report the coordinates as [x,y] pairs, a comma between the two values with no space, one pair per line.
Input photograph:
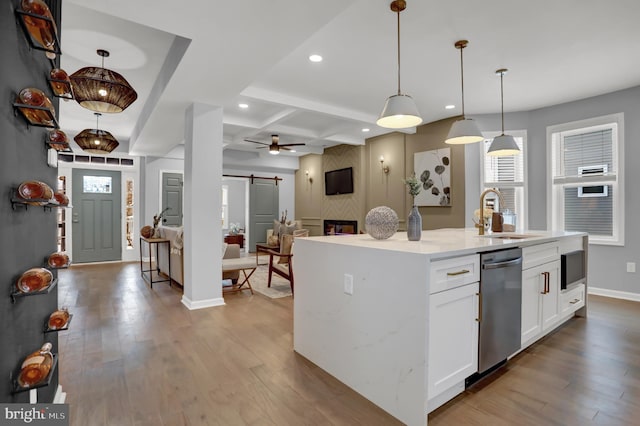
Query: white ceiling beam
[276,118]
[272,97]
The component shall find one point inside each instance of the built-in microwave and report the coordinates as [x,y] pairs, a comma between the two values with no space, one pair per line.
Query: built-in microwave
[572,268]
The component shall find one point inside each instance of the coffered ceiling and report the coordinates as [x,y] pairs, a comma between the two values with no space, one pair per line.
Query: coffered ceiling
[256,52]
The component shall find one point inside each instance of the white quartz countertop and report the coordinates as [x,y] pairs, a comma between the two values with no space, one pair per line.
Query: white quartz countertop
[446,242]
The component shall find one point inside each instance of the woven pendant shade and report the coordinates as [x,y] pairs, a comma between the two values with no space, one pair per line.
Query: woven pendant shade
[96,141]
[102,90]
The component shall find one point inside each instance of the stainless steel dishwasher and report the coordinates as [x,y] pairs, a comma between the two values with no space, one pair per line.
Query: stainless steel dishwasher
[500,306]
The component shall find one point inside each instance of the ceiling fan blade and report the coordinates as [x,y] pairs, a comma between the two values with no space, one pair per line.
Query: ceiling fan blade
[292,144]
[283,148]
[261,143]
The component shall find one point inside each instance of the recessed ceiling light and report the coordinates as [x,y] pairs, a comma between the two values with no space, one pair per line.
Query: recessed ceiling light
[315,58]
[243,106]
[365,130]
[450,107]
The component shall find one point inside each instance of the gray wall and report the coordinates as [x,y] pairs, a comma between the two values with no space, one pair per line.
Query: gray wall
[607,264]
[28,235]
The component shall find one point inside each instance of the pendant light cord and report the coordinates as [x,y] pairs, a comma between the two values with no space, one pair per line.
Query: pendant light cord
[462,79]
[502,100]
[398,12]
[97,117]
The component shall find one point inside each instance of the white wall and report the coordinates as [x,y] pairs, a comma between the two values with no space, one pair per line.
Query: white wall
[607,264]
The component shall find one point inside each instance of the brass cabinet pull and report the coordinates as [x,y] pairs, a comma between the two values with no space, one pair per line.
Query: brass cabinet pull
[547,280]
[453,274]
[479,319]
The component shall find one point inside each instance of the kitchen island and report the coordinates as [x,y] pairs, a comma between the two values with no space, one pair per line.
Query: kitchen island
[364,312]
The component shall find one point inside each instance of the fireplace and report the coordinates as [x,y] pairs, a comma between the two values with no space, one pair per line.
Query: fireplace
[337,227]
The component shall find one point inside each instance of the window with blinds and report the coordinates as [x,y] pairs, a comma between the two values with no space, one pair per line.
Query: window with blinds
[586,180]
[507,174]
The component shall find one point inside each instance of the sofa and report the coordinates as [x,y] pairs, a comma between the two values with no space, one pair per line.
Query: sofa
[174,235]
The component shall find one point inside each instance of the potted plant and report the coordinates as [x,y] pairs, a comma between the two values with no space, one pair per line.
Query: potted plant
[414,224]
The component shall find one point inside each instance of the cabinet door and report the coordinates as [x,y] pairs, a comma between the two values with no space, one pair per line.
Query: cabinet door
[550,300]
[453,337]
[540,304]
[532,286]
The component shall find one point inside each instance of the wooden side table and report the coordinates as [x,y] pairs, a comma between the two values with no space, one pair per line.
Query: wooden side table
[265,248]
[150,242]
[235,239]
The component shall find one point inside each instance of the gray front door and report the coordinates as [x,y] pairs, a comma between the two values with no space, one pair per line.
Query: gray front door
[172,199]
[96,217]
[263,208]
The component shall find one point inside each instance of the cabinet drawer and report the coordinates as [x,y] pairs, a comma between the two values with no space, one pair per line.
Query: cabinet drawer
[450,273]
[539,254]
[572,300]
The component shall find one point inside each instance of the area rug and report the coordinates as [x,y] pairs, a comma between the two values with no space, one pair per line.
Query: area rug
[279,286]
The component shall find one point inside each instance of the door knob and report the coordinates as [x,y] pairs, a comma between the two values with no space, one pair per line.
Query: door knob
[164,220]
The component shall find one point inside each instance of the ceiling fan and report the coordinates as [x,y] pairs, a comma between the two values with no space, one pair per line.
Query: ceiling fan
[274,147]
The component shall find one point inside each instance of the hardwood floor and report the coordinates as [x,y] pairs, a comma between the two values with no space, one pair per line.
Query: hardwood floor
[136,356]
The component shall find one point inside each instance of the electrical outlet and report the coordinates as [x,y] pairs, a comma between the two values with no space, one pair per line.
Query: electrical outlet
[348,284]
[631,267]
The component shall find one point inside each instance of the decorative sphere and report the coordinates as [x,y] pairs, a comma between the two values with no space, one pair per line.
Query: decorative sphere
[381,222]
[147,231]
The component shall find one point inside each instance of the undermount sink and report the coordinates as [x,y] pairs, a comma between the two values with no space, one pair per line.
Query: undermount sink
[511,236]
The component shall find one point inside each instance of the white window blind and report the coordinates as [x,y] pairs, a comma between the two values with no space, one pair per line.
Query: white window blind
[586,179]
[507,174]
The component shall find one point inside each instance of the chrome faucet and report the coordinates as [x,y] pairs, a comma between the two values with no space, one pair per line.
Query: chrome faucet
[500,204]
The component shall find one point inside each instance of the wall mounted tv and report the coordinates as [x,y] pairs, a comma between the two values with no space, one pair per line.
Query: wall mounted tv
[338,181]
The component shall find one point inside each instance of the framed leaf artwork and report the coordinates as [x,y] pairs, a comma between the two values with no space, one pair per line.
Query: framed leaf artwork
[433,169]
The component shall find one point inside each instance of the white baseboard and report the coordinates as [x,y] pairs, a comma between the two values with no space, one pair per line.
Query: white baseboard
[60,396]
[145,259]
[616,294]
[201,304]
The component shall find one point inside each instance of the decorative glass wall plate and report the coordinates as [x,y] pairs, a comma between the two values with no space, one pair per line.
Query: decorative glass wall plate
[61,198]
[60,84]
[58,259]
[39,27]
[35,190]
[58,319]
[36,108]
[35,279]
[58,140]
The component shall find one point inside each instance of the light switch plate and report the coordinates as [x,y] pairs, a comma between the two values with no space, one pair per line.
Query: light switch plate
[348,284]
[631,266]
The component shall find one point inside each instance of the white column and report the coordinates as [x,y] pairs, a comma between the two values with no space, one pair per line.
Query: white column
[202,202]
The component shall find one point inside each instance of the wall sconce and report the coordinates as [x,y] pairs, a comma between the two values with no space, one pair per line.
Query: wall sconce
[309,178]
[385,169]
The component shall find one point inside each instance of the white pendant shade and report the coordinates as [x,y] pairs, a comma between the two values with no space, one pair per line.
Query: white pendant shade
[399,112]
[503,145]
[464,131]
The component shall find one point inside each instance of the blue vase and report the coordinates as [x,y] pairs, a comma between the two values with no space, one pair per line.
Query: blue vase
[414,226]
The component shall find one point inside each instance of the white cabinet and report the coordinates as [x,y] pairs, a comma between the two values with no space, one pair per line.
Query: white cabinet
[540,291]
[453,341]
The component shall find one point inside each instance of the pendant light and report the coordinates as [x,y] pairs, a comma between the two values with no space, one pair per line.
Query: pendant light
[503,145]
[96,141]
[102,90]
[464,130]
[399,110]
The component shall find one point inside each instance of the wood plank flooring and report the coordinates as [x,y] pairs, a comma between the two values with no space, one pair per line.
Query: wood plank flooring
[136,356]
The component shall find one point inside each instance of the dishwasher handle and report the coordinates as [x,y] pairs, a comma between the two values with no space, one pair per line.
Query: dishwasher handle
[504,264]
